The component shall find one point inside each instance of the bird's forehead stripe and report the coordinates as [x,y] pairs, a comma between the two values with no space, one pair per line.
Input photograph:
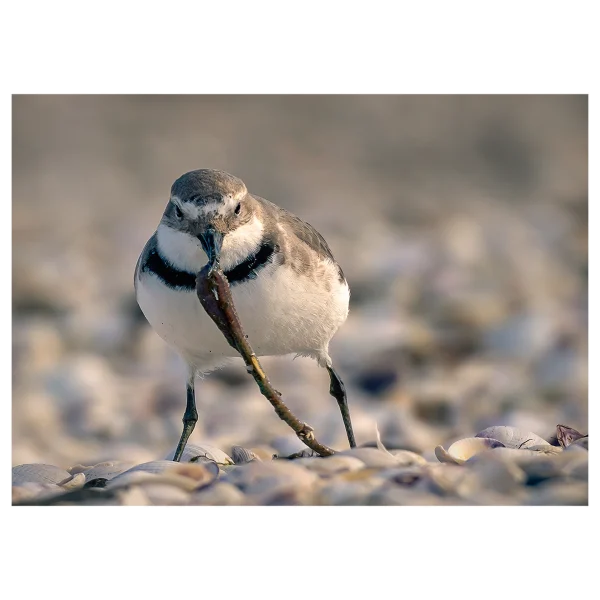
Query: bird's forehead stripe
[194,210]
[207,209]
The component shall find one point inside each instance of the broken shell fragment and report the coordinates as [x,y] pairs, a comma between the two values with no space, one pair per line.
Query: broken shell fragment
[73,482]
[511,437]
[567,435]
[462,450]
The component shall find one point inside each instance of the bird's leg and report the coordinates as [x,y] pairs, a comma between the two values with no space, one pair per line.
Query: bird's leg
[338,391]
[190,416]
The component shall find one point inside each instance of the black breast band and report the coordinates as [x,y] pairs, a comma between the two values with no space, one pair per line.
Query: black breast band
[182,280]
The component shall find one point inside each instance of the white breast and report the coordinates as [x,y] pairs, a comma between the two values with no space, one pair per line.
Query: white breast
[282,312]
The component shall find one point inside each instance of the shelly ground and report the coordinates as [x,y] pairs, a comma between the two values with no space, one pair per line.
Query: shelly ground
[538,475]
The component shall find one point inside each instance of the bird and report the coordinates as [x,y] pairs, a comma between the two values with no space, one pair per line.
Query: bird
[290,294]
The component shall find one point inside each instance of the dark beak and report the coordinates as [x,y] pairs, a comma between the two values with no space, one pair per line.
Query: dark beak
[211,241]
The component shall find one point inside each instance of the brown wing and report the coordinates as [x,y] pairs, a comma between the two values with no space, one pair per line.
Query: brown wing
[305,233]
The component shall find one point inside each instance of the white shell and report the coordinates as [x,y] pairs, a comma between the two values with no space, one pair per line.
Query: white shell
[194,452]
[373,457]
[78,469]
[259,477]
[512,437]
[401,457]
[107,470]
[74,482]
[520,456]
[462,450]
[188,476]
[38,473]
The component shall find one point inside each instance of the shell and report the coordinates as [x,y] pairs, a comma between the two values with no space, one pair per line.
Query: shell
[264,452]
[74,482]
[165,494]
[491,473]
[517,456]
[30,490]
[546,449]
[567,435]
[39,473]
[403,496]
[188,476]
[402,457]
[447,479]
[578,469]
[579,447]
[133,496]
[331,465]
[403,475]
[373,457]
[220,494]
[511,437]
[462,450]
[581,442]
[348,493]
[559,493]
[537,466]
[107,470]
[257,478]
[242,455]
[78,469]
[407,458]
[193,452]
[304,453]
[285,496]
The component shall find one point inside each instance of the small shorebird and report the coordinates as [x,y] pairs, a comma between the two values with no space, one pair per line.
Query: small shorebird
[289,292]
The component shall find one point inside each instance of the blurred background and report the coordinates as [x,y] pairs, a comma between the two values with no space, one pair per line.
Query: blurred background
[460,223]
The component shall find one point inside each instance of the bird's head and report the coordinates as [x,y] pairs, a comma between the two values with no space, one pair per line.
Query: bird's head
[214,210]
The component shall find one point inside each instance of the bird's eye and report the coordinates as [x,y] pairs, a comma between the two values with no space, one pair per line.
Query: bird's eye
[178,212]
[238,208]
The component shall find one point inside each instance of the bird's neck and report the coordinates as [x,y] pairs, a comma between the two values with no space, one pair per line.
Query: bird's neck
[184,252]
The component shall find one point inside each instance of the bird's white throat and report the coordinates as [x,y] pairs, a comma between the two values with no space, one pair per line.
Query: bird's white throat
[185,253]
